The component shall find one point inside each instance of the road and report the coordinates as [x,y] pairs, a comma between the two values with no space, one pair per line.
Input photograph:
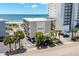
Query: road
[70,49]
[63,50]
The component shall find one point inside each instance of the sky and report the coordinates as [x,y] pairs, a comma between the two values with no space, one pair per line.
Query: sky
[23,8]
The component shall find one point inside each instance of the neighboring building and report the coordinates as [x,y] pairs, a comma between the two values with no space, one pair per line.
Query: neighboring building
[76,12]
[65,14]
[54,12]
[2,29]
[33,25]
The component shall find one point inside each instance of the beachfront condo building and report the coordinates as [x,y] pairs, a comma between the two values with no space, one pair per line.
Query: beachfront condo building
[33,25]
[2,29]
[65,15]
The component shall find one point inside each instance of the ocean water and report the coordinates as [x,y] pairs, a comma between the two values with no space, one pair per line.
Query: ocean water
[19,17]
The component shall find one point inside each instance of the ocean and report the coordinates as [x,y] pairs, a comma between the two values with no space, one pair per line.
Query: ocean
[19,17]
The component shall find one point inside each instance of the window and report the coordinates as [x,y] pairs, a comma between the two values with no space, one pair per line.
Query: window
[67,13]
[66,22]
[41,26]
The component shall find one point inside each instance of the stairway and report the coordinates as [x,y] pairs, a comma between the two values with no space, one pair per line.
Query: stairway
[27,43]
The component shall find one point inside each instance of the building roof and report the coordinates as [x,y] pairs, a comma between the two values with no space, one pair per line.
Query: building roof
[36,19]
[14,22]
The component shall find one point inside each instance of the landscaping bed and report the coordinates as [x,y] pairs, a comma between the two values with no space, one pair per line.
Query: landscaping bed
[43,41]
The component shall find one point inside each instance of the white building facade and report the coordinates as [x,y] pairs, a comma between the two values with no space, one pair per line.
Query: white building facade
[54,12]
[65,14]
[33,25]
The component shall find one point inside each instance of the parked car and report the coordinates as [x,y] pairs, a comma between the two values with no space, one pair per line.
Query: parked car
[61,34]
[1,39]
[65,34]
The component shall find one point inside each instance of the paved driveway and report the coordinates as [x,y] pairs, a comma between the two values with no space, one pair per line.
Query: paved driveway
[3,48]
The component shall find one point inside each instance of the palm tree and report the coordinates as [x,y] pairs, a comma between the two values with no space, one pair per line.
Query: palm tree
[73,31]
[19,35]
[55,32]
[8,40]
[15,39]
[59,31]
[52,32]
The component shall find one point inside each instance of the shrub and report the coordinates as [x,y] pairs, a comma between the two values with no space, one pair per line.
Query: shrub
[57,41]
[45,40]
[39,39]
[48,40]
[76,38]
